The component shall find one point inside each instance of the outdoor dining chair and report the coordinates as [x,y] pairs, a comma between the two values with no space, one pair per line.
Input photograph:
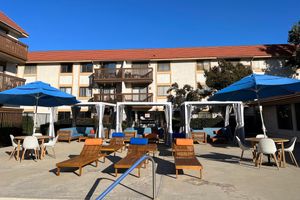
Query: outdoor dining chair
[290,148]
[15,146]
[266,146]
[31,143]
[244,147]
[51,144]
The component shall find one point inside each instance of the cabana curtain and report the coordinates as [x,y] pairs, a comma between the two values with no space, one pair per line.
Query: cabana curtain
[239,117]
[52,120]
[227,115]
[100,112]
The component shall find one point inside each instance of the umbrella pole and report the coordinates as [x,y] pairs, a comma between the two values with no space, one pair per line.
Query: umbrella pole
[260,112]
[262,118]
[35,114]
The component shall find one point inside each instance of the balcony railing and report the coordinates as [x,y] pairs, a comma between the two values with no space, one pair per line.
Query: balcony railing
[136,75]
[8,81]
[125,97]
[13,47]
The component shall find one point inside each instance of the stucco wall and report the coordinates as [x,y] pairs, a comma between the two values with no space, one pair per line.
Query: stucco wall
[271,123]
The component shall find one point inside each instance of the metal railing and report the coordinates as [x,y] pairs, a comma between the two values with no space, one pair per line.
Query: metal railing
[123,74]
[114,184]
[124,97]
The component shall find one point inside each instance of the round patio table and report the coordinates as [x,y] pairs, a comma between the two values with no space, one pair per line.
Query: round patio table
[40,138]
[280,141]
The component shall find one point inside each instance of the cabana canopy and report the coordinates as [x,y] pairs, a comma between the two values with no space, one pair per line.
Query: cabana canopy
[100,107]
[236,105]
[167,106]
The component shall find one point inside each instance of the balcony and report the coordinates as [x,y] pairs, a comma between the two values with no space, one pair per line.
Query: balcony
[125,97]
[129,75]
[8,81]
[13,49]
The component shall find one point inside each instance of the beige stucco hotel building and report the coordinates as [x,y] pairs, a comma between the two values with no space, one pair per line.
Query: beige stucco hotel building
[138,74]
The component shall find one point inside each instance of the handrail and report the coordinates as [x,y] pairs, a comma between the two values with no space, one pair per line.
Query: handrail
[114,184]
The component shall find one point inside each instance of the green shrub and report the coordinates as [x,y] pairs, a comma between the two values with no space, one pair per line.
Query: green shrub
[27,124]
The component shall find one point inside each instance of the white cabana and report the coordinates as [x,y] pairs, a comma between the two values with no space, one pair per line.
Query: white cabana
[237,106]
[167,109]
[100,107]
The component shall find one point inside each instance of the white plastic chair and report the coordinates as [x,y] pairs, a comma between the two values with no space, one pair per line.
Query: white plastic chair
[266,146]
[31,143]
[261,136]
[244,147]
[15,146]
[290,148]
[51,144]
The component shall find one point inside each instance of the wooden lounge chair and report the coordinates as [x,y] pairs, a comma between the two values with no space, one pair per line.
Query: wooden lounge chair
[134,153]
[115,144]
[88,155]
[185,158]
[128,161]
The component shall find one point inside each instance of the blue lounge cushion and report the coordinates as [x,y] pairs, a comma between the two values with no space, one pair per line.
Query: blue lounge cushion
[139,141]
[118,134]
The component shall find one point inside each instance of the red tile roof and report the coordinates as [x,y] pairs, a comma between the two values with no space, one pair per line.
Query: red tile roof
[279,50]
[9,22]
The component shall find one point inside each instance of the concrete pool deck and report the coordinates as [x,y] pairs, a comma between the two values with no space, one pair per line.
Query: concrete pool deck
[223,177]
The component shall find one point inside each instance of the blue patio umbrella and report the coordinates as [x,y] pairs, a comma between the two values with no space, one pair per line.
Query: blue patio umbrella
[36,94]
[255,87]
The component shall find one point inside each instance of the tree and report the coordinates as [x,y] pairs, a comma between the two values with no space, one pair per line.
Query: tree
[187,93]
[294,38]
[225,74]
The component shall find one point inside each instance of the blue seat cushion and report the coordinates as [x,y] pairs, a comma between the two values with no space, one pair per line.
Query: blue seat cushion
[76,135]
[88,130]
[72,129]
[118,134]
[139,141]
[210,131]
[178,135]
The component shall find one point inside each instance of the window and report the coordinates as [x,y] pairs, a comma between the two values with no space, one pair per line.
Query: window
[66,89]
[297,111]
[163,66]
[66,68]
[86,67]
[30,69]
[139,93]
[64,115]
[140,65]
[109,65]
[284,116]
[162,90]
[203,65]
[85,92]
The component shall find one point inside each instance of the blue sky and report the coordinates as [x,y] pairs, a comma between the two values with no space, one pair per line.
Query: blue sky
[123,24]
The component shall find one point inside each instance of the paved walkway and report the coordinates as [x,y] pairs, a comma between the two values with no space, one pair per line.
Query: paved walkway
[223,177]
